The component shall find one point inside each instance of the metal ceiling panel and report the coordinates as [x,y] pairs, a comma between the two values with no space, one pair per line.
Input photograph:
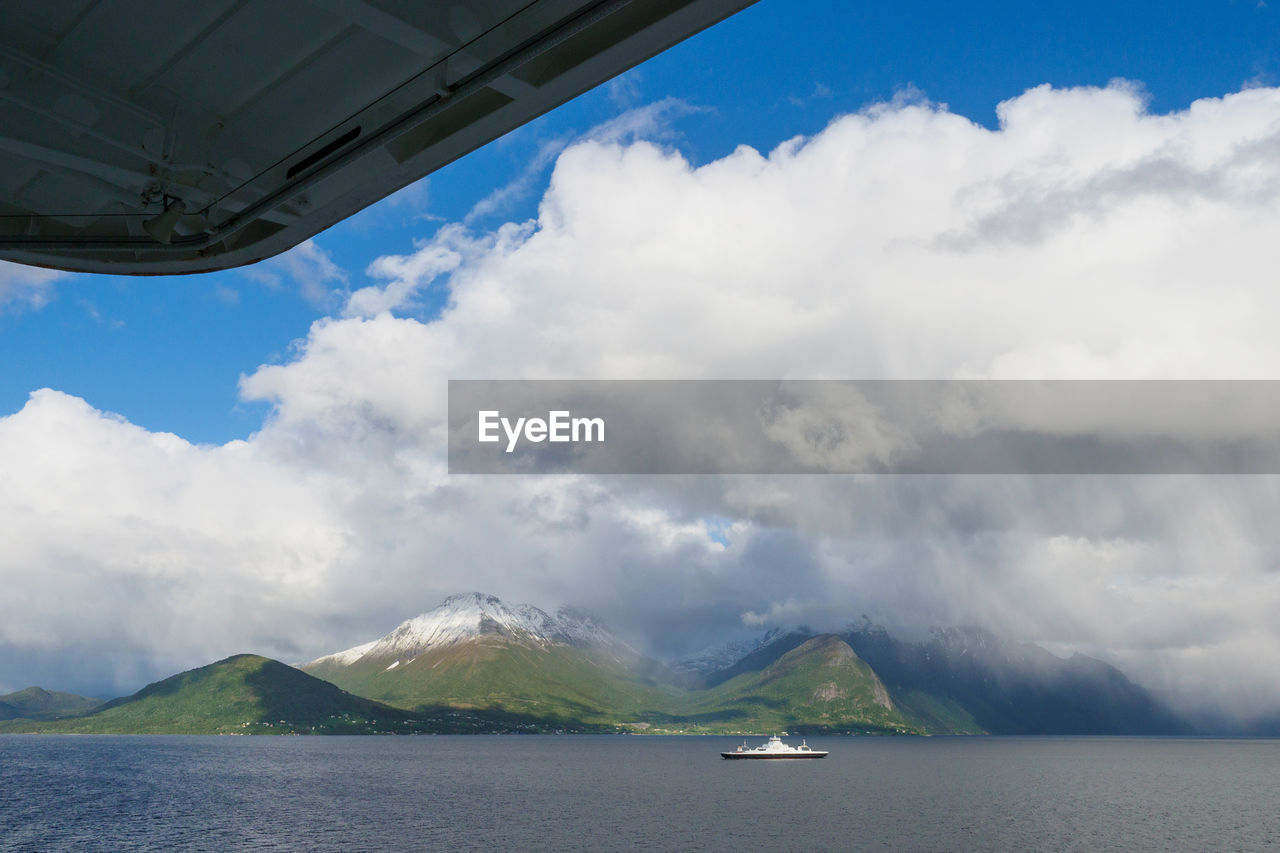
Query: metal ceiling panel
[150,137]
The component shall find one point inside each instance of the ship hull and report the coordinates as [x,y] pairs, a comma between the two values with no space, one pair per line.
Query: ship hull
[736,756]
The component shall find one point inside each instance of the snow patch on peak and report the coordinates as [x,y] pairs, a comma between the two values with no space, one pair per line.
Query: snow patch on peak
[347,657]
[470,599]
[460,618]
[579,628]
[470,615]
[720,656]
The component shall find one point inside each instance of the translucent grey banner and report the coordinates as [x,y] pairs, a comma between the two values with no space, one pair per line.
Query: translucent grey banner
[863,427]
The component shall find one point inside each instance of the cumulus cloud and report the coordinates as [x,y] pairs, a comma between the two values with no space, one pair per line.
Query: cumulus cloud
[1083,238]
[651,121]
[140,545]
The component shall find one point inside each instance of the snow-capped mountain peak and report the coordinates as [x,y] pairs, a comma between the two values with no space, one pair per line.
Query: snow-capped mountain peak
[468,616]
[723,655]
[346,657]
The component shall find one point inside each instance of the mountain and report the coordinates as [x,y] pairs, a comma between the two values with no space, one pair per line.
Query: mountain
[476,653]
[472,616]
[772,646]
[719,657]
[475,664]
[35,703]
[818,685]
[968,681]
[244,694]
[962,677]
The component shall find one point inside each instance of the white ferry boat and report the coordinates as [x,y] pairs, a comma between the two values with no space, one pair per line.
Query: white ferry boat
[775,748]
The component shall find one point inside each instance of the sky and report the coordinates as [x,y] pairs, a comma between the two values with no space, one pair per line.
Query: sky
[253,460]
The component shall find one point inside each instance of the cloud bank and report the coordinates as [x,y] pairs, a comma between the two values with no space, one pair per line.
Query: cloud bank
[1084,238]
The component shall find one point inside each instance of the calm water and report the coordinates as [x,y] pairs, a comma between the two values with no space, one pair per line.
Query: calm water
[593,793]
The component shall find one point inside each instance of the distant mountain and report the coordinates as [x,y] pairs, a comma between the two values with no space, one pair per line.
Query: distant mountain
[477,664]
[244,694]
[968,681]
[35,703]
[719,657]
[966,676]
[772,646]
[472,616]
[476,653]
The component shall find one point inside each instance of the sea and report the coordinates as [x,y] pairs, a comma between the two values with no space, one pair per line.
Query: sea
[602,792]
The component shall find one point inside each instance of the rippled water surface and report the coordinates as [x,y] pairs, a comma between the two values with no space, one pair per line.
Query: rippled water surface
[615,793]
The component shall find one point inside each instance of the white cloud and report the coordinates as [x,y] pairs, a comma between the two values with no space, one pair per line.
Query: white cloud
[309,268]
[407,275]
[26,285]
[121,541]
[650,122]
[1083,238]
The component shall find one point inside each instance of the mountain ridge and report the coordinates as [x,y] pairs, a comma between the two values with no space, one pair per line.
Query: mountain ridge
[959,681]
[36,703]
[236,695]
[251,694]
[820,685]
[475,664]
[477,653]
[471,615]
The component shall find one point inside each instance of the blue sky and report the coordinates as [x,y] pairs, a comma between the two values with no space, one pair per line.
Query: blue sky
[166,353]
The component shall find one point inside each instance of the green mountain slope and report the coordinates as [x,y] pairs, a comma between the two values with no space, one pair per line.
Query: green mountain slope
[816,684]
[820,685]
[239,695]
[35,703]
[960,682]
[560,685]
